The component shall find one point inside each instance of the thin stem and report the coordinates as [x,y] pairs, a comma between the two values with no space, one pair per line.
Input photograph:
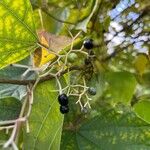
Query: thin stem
[11,139]
[7,127]
[41,18]
[59,85]
[7,122]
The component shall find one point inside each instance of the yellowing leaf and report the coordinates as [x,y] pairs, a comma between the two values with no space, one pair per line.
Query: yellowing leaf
[141,63]
[17,31]
[52,43]
[42,55]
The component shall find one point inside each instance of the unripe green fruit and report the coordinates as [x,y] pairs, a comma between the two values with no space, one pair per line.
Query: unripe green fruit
[92,91]
[72,57]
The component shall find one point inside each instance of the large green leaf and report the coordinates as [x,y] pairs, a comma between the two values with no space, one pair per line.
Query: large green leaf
[121,86]
[109,131]
[142,109]
[9,108]
[3,138]
[17,31]
[45,121]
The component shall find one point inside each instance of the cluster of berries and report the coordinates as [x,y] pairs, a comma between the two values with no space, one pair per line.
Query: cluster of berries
[63,98]
[63,101]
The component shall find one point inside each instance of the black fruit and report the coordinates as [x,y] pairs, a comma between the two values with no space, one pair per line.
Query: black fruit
[63,99]
[64,109]
[92,91]
[88,44]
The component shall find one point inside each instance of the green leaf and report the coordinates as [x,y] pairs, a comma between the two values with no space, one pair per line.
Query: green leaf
[9,108]
[61,3]
[141,63]
[146,79]
[9,90]
[17,31]
[142,109]
[83,24]
[121,86]
[109,131]
[106,23]
[14,73]
[45,120]
[3,138]
[51,24]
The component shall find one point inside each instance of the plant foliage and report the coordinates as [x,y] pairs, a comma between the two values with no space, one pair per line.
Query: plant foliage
[96,53]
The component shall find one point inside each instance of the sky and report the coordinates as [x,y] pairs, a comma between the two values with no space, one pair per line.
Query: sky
[116,25]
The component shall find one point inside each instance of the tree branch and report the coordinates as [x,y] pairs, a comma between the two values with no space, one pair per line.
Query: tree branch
[46,78]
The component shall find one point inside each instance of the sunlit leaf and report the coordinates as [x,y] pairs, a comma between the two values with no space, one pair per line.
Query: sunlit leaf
[17,31]
[45,120]
[142,109]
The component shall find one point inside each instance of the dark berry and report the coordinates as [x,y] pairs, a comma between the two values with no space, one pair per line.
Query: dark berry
[88,44]
[63,99]
[64,109]
[92,91]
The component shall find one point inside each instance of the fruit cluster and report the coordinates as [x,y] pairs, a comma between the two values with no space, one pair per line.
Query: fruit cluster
[63,101]
[63,98]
